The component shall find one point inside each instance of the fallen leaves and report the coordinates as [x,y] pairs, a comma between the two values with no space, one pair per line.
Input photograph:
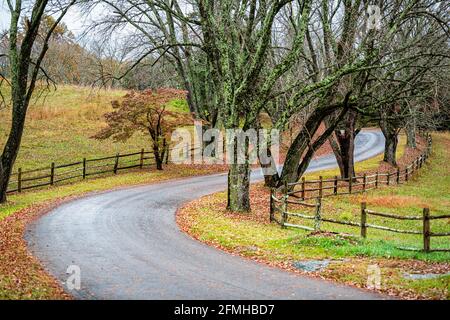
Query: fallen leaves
[21,275]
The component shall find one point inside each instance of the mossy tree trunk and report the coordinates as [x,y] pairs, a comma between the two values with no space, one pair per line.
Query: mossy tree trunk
[239,188]
[411,134]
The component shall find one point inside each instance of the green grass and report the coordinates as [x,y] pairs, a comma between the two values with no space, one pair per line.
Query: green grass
[59,126]
[17,201]
[241,234]
[429,188]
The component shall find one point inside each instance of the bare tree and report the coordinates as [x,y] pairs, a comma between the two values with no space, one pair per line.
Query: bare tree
[280,57]
[25,69]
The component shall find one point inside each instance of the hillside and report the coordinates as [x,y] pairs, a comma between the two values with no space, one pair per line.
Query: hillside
[59,126]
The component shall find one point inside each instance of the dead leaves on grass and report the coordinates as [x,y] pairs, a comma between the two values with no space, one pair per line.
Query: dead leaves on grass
[21,275]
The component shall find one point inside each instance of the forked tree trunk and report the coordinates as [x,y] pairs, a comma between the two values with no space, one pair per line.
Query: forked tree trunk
[390,146]
[294,165]
[343,149]
[159,161]
[344,146]
[391,149]
[390,131]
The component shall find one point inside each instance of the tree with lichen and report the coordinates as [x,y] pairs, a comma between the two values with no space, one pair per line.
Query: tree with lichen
[277,57]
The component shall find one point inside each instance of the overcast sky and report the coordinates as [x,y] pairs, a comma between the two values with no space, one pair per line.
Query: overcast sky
[74,19]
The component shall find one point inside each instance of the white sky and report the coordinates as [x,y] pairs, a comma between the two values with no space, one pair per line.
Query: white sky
[74,19]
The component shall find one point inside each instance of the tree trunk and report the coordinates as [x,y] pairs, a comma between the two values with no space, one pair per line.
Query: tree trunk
[292,170]
[344,146]
[239,188]
[390,146]
[11,149]
[159,155]
[343,149]
[391,149]
[411,134]
[2,182]
[390,131]
[159,162]
[239,180]
[23,78]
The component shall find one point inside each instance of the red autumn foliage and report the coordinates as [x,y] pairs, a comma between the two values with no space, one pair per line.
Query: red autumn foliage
[145,111]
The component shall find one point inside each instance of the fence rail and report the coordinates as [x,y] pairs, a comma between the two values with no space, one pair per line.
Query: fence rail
[425,232]
[56,174]
[319,188]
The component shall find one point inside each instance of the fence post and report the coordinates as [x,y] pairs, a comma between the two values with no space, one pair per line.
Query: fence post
[363,220]
[52,174]
[303,188]
[364,182]
[141,164]
[271,204]
[335,189]
[388,177]
[406,174]
[320,186]
[426,229]
[19,180]
[376,180]
[317,216]
[84,168]
[116,164]
[398,175]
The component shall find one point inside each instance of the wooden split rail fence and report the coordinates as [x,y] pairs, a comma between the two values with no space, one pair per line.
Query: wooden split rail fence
[298,194]
[57,174]
[426,232]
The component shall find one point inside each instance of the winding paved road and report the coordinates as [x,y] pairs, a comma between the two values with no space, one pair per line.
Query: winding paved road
[128,246]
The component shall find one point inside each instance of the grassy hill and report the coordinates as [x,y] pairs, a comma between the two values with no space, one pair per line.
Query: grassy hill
[59,126]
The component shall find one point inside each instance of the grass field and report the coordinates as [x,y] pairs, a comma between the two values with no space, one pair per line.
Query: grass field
[59,126]
[253,236]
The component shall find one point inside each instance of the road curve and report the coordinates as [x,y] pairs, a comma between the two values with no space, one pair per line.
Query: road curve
[128,246]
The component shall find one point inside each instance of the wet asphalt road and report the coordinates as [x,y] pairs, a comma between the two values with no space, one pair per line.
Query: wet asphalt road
[128,246]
